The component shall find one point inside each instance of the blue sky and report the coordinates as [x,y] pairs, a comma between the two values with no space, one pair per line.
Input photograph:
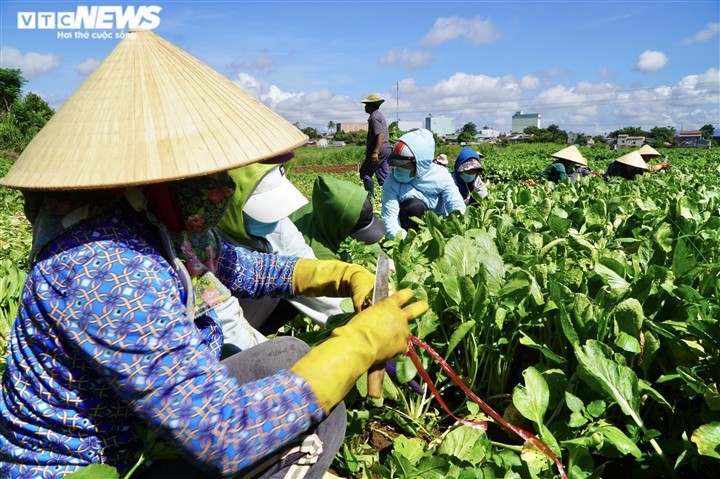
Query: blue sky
[587,66]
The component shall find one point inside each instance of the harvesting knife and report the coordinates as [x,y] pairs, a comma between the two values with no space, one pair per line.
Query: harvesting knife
[380,292]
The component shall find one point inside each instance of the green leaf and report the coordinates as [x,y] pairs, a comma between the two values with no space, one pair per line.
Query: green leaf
[429,467]
[629,316]
[460,332]
[627,343]
[526,340]
[682,261]
[618,439]
[465,443]
[596,408]
[411,449]
[559,226]
[573,402]
[663,236]
[707,439]
[487,254]
[604,375]
[611,278]
[532,399]
[577,419]
[94,471]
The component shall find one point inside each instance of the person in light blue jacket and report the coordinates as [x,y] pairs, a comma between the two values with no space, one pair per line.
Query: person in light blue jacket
[417,184]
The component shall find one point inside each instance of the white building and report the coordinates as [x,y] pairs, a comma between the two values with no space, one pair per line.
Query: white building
[487,134]
[521,120]
[440,125]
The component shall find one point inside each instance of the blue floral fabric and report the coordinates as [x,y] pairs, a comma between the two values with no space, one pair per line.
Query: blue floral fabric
[102,344]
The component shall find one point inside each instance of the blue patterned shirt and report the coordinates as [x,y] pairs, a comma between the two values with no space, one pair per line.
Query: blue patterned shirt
[102,344]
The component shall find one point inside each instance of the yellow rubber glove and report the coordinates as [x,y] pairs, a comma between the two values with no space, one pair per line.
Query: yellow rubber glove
[373,336]
[314,277]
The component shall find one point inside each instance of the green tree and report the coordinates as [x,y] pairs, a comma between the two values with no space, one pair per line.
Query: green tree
[11,83]
[551,134]
[310,132]
[470,128]
[629,130]
[662,135]
[708,131]
[331,126]
[357,138]
[31,113]
[465,137]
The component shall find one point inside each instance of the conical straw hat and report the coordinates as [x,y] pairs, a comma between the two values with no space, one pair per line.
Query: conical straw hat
[571,153]
[150,113]
[633,159]
[648,151]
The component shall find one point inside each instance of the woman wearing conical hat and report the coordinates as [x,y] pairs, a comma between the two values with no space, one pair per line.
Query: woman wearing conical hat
[649,153]
[117,334]
[568,164]
[627,166]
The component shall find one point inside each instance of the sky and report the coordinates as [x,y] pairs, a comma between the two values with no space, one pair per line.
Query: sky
[590,66]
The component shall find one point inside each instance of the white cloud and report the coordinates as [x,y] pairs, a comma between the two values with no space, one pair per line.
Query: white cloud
[407,59]
[710,31]
[587,107]
[529,82]
[32,64]
[475,31]
[651,61]
[87,66]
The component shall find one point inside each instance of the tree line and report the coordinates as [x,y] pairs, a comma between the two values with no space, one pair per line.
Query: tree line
[21,117]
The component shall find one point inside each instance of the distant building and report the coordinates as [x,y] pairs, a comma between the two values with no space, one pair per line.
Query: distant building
[518,138]
[521,120]
[404,125]
[487,134]
[627,141]
[440,125]
[350,127]
[691,139]
[579,139]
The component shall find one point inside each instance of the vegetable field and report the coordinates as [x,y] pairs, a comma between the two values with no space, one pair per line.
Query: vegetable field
[587,314]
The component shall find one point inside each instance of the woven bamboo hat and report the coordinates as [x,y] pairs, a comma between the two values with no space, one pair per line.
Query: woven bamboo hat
[648,151]
[150,113]
[373,98]
[571,153]
[633,159]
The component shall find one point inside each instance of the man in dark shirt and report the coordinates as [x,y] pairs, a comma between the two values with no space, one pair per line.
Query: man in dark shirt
[377,149]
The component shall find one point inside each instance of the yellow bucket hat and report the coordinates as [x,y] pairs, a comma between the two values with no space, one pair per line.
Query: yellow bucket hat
[150,113]
[373,98]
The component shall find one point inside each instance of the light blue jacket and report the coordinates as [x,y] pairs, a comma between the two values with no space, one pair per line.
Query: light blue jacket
[433,184]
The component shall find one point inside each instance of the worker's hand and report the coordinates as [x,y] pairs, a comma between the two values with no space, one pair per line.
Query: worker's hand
[373,336]
[527,182]
[664,165]
[384,326]
[375,158]
[595,173]
[314,277]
